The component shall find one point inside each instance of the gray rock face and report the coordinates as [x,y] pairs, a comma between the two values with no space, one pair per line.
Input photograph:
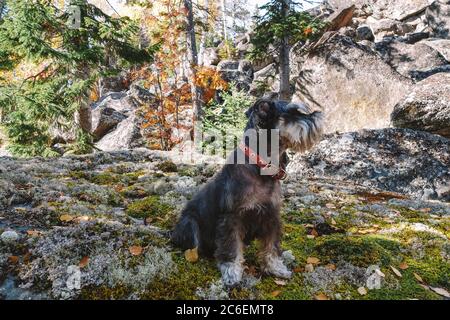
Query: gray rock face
[265,80]
[104,119]
[400,160]
[440,45]
[438,18]
[349,82]
[238,71]
[426,107]
[416,61]
[364,32]
[127,135]
[210,57]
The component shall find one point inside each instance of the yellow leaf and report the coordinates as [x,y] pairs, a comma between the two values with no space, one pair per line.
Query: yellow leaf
[66,218]
[191,255]
[275,293]
[312,260]
[321,296]
[419,278]
[135,250]
[397,273]
[330,266]
[33,233]
[362,291]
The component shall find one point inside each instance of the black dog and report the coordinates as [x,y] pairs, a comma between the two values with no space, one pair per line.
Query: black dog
[241,203]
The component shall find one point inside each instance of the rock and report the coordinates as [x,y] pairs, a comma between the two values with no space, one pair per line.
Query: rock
[426,107]
[416,61]
[119,101]
[410,162]
[348,81]
[210,57]
[127,135]
[342,17]
[364,32]
[142,95]
[104,119]
[115,84]
[9,236]
[388,27]
[265,80]
[440,45]
[238,71]
[437,17]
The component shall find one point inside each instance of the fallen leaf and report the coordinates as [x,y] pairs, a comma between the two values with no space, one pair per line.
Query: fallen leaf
[321,296]
[441,292]
[309,268]
[66,218]
[330,266]
[191,255]
[310,236]
[333,222]
[419,278]
[298,269]
[13,259]
[275,293]
[314,233]
[330,206]
[380,273]
[280,282]
[397,273]
[135,250]
[33,233]
[425,210]
[424,286]
[81,219]
[312,260]
[84,262]
[403,266]
[362,291]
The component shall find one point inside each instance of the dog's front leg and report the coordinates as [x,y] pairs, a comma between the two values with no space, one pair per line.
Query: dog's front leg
[229,252]
[270,252]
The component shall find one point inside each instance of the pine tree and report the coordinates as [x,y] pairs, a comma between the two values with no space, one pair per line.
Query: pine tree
[48,68]
[282,25]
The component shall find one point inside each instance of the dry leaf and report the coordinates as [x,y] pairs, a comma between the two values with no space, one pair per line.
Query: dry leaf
[403,266]
[191,255]
[333,222]
[135,250]
[425,210]
[380,273]
[280,282]
[84,262]
[312,260]
[33,233]
[13,259]
[298,269]
[310,236]
[81,219]
[314,233]
[441,292]
[66,218]
[419,278]
[397,273]
[275,293]
[330,206]
[362,291]
[330,266]
[321,296]
[309,268]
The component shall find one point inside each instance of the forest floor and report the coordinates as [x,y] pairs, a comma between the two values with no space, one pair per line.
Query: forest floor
[104,217]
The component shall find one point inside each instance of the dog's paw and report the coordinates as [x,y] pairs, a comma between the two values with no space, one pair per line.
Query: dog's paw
[231,273]
[276,267]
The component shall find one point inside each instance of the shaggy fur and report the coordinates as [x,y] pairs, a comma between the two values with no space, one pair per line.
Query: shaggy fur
[240,204]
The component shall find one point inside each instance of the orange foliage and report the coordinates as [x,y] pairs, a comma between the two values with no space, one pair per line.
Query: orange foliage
[210,81]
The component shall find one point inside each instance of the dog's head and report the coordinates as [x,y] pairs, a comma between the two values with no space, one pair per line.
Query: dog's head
[299,128]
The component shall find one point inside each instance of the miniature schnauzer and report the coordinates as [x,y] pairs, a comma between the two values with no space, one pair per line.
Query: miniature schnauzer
[242,202]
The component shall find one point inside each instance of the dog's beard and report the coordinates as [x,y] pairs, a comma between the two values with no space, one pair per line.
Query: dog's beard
[300,129]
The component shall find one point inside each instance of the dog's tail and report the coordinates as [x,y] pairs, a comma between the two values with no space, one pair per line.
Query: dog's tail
[302,127]
[186,234]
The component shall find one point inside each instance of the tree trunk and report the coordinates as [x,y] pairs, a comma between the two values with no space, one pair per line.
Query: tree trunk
[193,59]
[224,18]
[201,53]
[285,87]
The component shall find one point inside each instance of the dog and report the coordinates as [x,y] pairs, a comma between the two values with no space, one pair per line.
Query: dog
[240,203]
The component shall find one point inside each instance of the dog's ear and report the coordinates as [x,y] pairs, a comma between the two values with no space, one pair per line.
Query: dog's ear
[262,108]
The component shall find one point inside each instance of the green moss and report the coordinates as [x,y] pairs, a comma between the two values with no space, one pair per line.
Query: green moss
[152,207]
[167,166]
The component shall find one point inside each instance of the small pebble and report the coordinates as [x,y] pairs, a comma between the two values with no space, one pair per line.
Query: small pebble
[9,236]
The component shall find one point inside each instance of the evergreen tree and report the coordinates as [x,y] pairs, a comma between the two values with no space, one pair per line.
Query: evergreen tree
[48,68]
[282,24]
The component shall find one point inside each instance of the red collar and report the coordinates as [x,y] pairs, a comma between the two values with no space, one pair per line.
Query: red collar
[261,163]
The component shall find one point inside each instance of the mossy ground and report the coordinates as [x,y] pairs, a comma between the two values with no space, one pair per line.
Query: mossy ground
[339,228]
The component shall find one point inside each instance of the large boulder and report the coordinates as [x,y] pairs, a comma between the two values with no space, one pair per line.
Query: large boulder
[426,107]
[105,119]
[239,72]
[265,80]
[438,18]
[416,61]
[401,160]
[440,45]
[127,135]
[352,84]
